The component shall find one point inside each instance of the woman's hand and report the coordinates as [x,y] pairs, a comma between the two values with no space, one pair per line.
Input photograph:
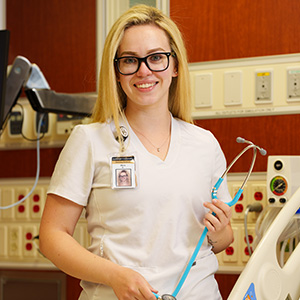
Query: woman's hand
[217,221]
[128,284]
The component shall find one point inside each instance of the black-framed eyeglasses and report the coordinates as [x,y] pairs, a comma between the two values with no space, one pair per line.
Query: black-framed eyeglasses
[156,62]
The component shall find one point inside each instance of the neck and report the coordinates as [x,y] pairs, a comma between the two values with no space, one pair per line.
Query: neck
[153,130]
[149,121]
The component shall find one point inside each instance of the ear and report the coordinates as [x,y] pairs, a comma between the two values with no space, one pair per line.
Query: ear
[175,72]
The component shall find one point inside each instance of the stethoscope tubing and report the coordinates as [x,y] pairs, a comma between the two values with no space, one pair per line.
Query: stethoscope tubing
[230,203]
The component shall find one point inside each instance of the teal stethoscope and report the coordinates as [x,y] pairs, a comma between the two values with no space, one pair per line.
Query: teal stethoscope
[214,196]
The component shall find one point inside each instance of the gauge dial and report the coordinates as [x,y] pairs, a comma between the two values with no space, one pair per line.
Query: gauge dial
[278,185]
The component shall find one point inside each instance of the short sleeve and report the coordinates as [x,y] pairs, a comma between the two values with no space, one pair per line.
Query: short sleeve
[74,171]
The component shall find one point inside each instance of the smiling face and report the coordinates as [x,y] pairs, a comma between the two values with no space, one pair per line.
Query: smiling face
[145,87]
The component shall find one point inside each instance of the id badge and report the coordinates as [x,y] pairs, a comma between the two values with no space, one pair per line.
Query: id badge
[123,172]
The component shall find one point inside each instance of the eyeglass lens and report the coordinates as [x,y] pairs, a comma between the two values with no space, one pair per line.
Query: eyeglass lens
[156,62]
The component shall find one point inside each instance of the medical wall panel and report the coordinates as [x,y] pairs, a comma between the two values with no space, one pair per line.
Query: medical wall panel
[60,37]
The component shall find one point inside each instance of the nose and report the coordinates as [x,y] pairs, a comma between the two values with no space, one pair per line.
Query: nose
[143,70]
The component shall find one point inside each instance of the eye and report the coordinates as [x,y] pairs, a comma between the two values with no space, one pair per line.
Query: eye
[156,57]
[129,60]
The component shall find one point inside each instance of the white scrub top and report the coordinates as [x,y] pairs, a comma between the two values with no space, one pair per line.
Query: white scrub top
[153,228]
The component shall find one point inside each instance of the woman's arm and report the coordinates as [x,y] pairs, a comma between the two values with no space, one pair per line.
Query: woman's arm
[56,242]
[220,234]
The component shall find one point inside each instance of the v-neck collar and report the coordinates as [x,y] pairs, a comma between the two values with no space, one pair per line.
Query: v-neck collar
[173,146]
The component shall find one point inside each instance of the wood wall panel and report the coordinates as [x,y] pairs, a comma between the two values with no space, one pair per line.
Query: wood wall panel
[279,135]
[60,37]
[216,30]
[23,163]
[226,283]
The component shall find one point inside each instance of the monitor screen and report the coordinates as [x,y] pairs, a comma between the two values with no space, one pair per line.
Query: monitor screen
[4,46]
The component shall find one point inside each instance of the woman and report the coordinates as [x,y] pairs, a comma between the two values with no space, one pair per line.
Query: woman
[142,235]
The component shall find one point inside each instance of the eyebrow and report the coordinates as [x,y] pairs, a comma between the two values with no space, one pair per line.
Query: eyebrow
[132,53]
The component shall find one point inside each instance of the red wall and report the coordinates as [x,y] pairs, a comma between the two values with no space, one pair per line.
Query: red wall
[217,30]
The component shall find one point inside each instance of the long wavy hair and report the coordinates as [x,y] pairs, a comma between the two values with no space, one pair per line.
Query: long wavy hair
[111,98]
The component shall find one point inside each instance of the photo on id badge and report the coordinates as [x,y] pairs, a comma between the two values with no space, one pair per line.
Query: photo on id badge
[123,175]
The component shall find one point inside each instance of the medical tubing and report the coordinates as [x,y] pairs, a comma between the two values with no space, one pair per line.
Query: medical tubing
[190,264]
[251,166]
[201,240]
[246,230]
[37,169]
[236,158]
[216,187]
[230,203]
[214,196]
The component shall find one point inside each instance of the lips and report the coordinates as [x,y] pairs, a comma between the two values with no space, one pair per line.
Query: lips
[145,85]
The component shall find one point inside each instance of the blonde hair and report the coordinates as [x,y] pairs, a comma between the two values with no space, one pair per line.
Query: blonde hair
[111,98]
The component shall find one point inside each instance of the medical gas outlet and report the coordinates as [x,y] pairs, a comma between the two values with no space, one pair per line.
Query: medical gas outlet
[263,86]
[283,178]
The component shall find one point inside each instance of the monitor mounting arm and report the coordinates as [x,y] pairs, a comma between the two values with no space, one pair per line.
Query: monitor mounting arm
[42,99]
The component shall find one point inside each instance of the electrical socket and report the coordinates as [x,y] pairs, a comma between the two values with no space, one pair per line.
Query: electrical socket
[263,86]
[7,198]
[22,209]
[37,201]
[293,84]
[238,209]
[29,232]
[20,122]
[243,245]
[3,241]
[14,241]
[20,224]
[230,254]
[48,127]
[258,193]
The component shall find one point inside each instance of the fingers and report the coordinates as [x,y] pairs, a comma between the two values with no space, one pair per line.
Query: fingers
[128,285]
[147,294]
[220,217]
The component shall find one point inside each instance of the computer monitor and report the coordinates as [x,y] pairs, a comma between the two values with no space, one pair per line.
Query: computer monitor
[4,46]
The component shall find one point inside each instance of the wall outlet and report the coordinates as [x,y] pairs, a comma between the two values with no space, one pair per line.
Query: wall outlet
[230,254]
[263,86]
[293,84]
[238,210]
[243,245]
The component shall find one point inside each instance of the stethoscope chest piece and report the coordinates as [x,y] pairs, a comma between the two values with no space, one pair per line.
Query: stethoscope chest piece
[167,297]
